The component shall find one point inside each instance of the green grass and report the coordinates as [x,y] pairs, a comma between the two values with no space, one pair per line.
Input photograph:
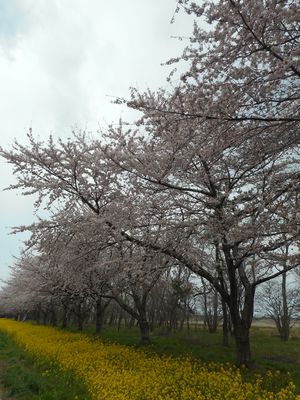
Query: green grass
[198,344]
[27,379]
[272,353]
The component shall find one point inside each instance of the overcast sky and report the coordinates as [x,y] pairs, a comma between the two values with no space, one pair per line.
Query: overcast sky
[60,61]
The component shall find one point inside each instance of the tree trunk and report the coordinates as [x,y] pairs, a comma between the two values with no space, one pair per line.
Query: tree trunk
[182,319]
[188,322]
[64,322]
[243,353]
[131,322]
[100,309]
[225,326]
[241,321]
[53,318]
[64,317]
[145,331]
[45,317]
[143,323]
[285,323]
[241,305]
[213,320]
[111,318]
[38,314]
[119,322]
[80,323]
[79,316]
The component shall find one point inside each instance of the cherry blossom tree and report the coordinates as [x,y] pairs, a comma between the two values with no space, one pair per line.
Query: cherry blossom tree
[228,197]
[221,150]
[30,289]
[138,271]
[211,168]
[86,267]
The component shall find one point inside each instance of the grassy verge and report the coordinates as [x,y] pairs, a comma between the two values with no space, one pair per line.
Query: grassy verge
[24,378]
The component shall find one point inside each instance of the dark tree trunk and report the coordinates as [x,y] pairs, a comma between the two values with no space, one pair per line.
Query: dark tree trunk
[144,331]
[79,316]
[79,323]
[188,322]
[38,314]
[241,321]
[131,322]
[151,318]
[225,326]
[100,313]
[45,317]
[53,317]
[139,313]
[111,319]
[240,301]
[243,353]
[119,322]
[210,310]
[285,323]
[143,321]
[64,317]
[99,316]
[181,326]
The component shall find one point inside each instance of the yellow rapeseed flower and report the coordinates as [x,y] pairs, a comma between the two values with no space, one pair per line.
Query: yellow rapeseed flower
[115,372]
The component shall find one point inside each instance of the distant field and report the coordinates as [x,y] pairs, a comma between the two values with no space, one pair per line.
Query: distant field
[267,322]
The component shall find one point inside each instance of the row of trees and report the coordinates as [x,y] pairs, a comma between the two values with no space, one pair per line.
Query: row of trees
[80,291]
[207,178]
[66,290]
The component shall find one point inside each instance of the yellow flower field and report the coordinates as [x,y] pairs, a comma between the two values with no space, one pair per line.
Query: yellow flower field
[115,372]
